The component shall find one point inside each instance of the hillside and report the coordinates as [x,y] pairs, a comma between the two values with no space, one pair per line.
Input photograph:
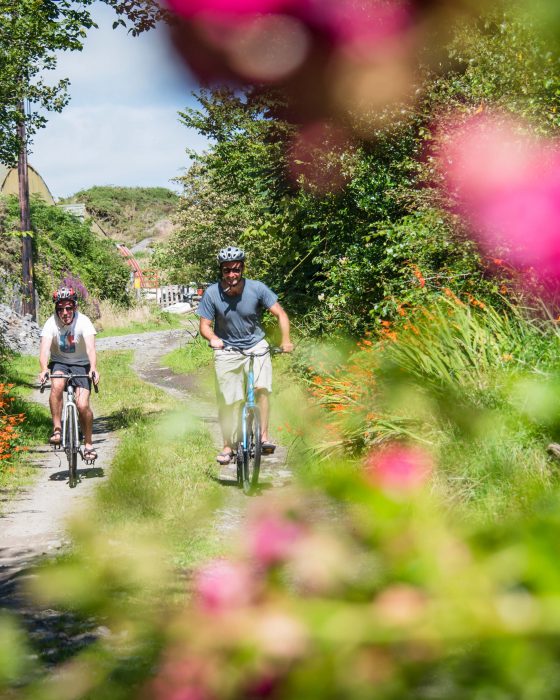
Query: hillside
[129,214]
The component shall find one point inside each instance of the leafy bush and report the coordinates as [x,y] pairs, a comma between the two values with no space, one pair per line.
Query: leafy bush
[64,246]
[127,214]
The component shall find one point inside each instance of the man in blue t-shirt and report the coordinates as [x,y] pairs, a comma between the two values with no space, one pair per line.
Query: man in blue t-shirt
[230,315]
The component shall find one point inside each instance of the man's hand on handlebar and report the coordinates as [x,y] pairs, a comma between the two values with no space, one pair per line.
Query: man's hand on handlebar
[43,377]
[94,376]
[217,343]
[287,347]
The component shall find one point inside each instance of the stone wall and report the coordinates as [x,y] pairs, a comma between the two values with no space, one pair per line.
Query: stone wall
[20,333]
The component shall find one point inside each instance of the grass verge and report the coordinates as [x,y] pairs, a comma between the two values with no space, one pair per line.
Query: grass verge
[189,358]
[151,320]
[161,478]
[18,472]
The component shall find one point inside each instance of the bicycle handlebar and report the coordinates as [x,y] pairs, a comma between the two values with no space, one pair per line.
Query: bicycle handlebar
[272,350]
[43,385]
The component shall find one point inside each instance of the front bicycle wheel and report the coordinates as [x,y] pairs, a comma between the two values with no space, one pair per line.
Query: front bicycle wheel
[72,446]
[251,450]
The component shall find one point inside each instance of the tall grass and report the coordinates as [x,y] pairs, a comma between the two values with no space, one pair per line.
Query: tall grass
[476,386]
[115,320]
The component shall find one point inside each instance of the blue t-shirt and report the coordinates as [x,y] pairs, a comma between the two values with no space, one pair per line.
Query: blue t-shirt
[237,319]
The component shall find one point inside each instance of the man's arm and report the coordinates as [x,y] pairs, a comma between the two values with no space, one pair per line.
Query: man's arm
[207,331]
[284,323]
[44,354]
[92,357]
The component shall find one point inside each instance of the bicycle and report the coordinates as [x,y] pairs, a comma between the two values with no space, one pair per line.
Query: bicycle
[70,441]
[248,449]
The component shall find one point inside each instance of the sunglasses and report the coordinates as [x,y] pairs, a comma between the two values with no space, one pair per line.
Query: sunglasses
[235,270]
[64,308]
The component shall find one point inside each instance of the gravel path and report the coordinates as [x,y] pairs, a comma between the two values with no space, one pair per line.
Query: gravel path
[33,524]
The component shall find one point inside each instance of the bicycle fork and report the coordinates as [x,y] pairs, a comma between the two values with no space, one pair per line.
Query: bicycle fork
[69,413]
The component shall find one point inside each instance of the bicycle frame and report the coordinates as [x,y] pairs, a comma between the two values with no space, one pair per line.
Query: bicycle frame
[249,402]
[248,450]
[69,408]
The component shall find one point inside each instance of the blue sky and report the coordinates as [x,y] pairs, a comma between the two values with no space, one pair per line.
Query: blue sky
[121,126]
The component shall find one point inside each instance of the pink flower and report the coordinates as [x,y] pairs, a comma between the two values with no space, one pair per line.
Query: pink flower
[190,8]
[223,585]
[316,157]
[398,468]
[182,678]
[287,42]
[507,184]
[272,539]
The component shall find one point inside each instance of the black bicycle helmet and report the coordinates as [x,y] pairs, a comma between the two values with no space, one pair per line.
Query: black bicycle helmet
[64,294]
[230,254]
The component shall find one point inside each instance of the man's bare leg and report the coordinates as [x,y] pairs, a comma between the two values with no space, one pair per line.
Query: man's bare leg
[264,408]
[55,403]
[86,416]
[226,417]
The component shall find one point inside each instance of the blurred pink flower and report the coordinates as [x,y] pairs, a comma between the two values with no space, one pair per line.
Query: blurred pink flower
[294,43]
[223,585]
[181,679]
[272,539]
[317,157]
[398,468]
[342,20]
[190,8]
[507,184]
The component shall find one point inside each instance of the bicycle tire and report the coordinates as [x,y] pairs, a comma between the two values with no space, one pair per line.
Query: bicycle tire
[252,451]
[72,446]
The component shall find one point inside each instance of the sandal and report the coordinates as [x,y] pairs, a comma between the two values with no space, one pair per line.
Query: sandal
[268,448]
[90,455]
[56,437]
[224,457]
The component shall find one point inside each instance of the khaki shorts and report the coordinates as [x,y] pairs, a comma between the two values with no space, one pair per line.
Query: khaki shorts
[231,368]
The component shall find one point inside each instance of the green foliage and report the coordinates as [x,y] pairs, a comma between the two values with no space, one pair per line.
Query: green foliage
[127,214]
[188,359]
[475,384]
[30,34]
[345,258]
[62,245]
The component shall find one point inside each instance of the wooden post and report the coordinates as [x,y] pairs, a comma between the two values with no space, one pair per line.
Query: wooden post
[28,277]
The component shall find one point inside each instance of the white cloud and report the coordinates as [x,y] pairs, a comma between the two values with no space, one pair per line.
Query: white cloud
[121,126]
[120,145]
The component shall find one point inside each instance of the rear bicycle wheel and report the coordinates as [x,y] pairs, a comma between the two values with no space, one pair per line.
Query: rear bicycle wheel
[72,446]
[252,450]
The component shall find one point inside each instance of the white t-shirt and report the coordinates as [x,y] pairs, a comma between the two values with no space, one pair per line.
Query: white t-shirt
[67,342]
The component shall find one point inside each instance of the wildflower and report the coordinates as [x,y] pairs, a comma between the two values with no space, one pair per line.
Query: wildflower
[416,272]
[398,468]
[273,538]
[508,186]
[223,585]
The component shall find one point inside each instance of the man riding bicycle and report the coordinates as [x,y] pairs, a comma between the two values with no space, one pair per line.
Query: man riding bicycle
[230,316]
[68,347]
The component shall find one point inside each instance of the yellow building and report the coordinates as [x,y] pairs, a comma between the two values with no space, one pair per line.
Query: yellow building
[9,183]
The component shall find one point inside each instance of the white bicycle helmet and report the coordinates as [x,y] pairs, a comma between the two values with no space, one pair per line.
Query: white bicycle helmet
[230,254]
[64,293]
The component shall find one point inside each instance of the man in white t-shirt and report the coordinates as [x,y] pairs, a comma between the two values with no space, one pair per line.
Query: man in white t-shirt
[68,347]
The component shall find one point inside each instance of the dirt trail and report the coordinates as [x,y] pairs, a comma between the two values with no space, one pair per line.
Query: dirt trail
[34,523]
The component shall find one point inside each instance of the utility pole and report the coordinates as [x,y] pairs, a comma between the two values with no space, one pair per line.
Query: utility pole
[28,277]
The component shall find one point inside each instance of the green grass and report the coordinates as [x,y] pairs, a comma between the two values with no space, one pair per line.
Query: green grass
[188,358]
[160,322]
[22,372]
[161,478]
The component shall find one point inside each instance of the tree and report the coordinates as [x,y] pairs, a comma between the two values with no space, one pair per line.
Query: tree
[31,31]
